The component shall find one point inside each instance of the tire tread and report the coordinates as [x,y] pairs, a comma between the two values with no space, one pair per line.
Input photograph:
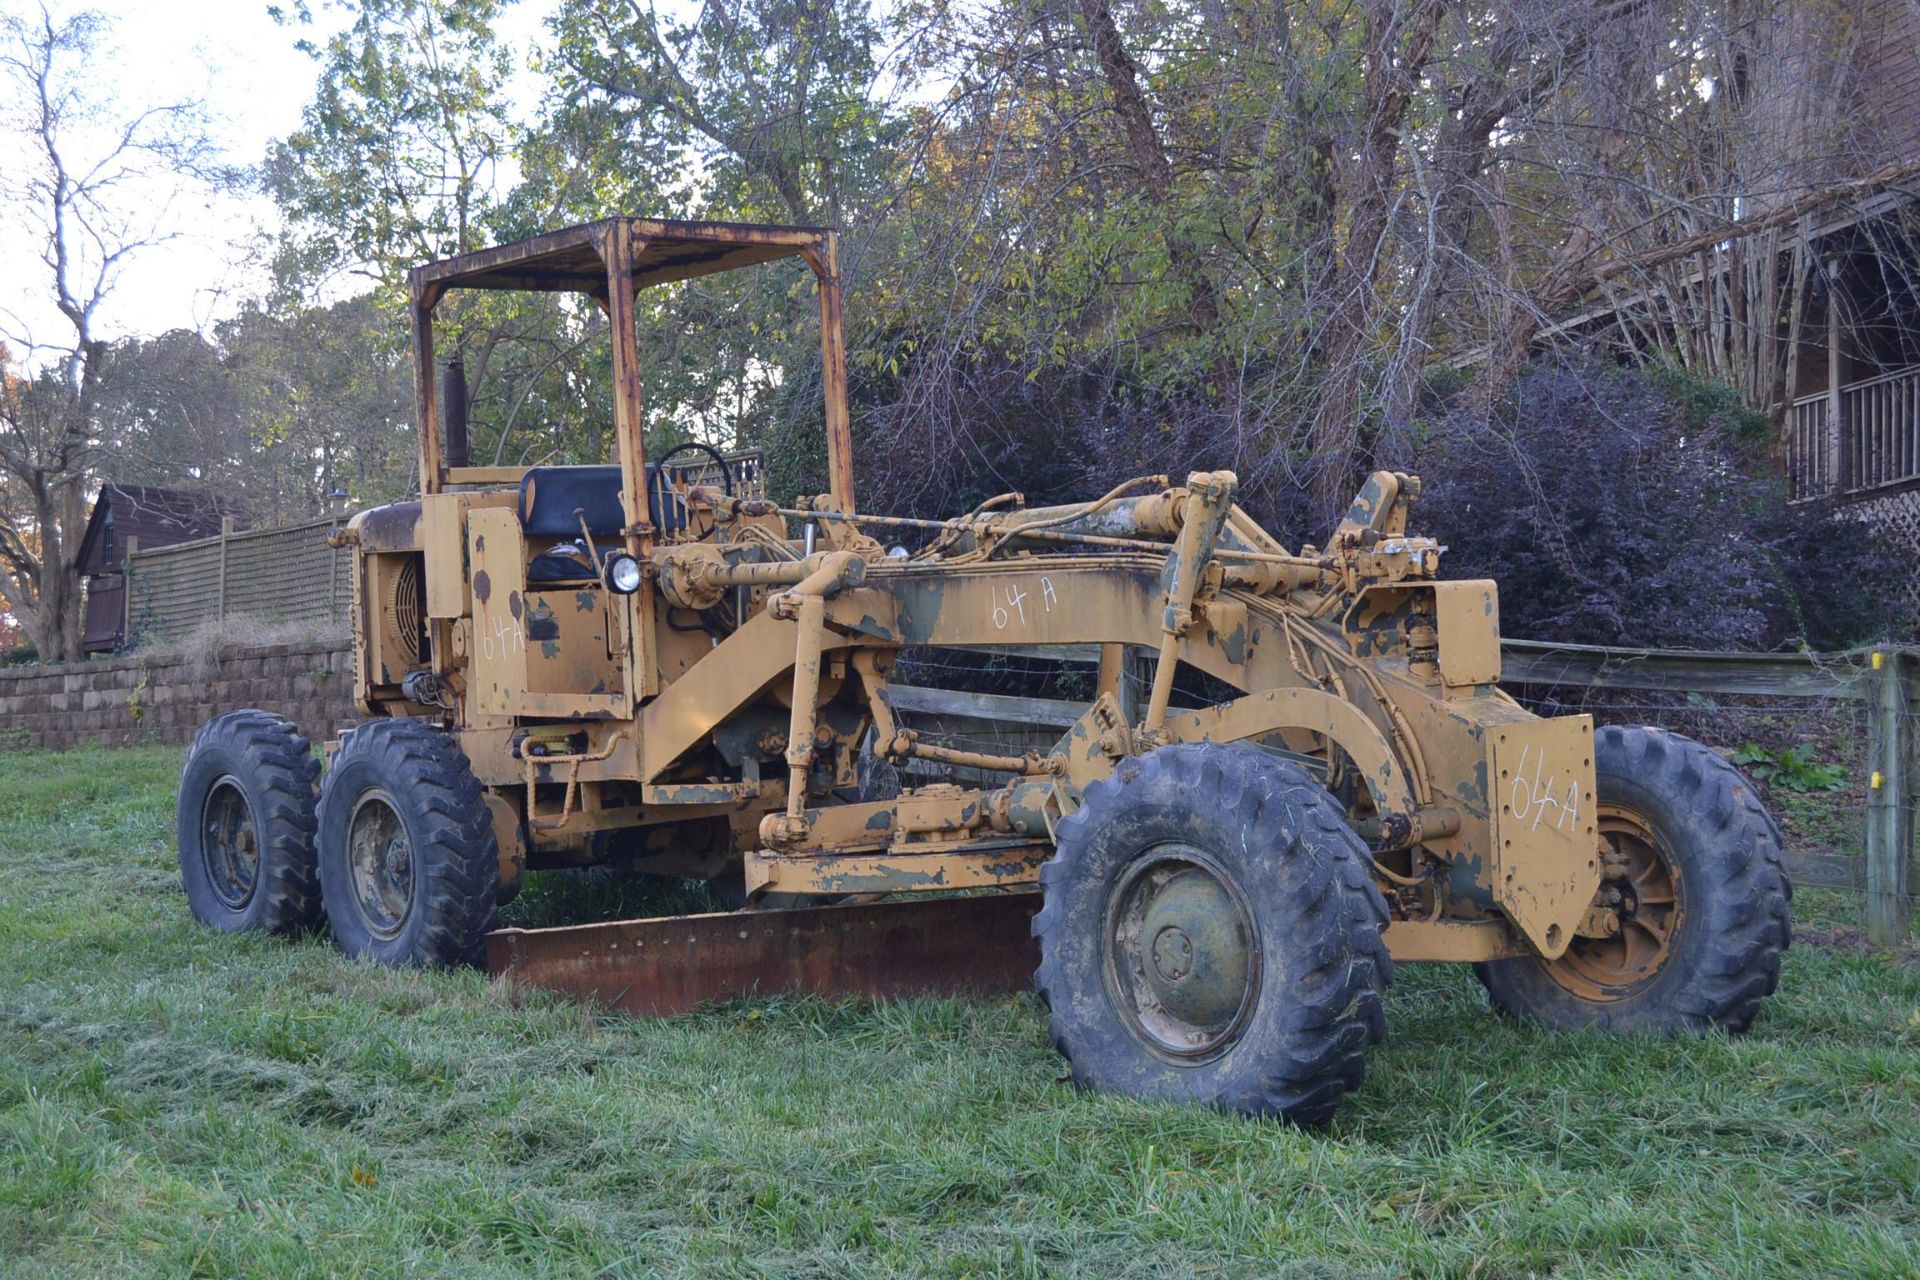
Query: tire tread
[1335,941]
[286,774]
[460,861]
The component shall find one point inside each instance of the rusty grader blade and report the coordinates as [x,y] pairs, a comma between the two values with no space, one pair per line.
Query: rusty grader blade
[886,950]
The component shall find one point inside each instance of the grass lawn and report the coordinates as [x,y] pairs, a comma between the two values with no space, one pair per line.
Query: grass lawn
[177,1102]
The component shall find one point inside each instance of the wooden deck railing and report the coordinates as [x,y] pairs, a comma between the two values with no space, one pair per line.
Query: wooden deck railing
[1878,443]
[1809,449]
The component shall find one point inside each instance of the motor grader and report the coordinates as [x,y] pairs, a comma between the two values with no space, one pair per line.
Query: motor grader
[641,663]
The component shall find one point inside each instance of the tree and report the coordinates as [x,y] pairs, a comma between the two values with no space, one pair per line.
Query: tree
[764,111]
[773,99]
[397,159]
[274,410]
[1088,237]
[398,162]
[1606,495]
[327,396]
[97,188]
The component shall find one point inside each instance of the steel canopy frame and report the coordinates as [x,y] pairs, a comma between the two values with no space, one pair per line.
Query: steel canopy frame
[609,261]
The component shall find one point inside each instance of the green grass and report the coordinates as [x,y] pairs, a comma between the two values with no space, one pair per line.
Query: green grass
[176,1102]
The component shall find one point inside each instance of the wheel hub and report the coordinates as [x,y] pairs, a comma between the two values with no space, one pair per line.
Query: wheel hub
[228,845]
[1184,965]
[1172,954]
[1198,968]
[1628,934]
[381,860]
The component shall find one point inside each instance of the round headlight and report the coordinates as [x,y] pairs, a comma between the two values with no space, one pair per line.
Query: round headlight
[621,574]
[897,553]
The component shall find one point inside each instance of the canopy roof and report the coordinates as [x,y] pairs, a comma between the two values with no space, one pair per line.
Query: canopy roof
[569,260]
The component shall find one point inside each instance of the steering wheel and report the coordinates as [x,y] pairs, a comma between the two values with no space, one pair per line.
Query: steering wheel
[726,473]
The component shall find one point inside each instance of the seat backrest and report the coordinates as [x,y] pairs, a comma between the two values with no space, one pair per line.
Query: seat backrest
[549,496]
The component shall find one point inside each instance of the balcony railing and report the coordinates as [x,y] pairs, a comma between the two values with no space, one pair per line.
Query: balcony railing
[1877,444]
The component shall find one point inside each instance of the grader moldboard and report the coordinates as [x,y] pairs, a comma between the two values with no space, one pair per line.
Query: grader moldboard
[640,664]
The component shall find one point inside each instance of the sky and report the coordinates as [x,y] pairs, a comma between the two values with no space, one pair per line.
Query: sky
[242,65]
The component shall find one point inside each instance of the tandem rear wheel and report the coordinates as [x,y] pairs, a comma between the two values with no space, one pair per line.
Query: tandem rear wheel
[409,865]
[245,825]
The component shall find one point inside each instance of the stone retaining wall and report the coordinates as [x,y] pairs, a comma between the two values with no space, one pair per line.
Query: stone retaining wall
[165,698]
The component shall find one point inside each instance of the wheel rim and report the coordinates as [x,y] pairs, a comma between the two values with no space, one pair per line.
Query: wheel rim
[229,842]
[1641,888]
[1183,958]
[380,857]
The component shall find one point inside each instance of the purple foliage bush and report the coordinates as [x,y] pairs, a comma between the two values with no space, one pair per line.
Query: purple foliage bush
[1639,507]
[1613,505]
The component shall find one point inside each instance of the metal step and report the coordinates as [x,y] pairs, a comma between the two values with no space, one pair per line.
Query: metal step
[672,964]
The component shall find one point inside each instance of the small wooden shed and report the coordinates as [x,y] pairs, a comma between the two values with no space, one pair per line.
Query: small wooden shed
[129,515]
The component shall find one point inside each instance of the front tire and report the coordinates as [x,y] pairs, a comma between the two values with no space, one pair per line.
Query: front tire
[245,821]
[1211,934]
[1698,889]
[409,866]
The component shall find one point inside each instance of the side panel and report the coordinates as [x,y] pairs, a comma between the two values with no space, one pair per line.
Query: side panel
[573,660]
[445,545]
[499,660]
[544,654]
[1545,830]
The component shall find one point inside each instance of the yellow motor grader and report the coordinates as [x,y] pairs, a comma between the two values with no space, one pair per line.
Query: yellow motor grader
[645,663]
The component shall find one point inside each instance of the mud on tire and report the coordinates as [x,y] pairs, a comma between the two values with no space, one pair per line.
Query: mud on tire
[1725,929]
[409,867]
[1210,830]
[245,824]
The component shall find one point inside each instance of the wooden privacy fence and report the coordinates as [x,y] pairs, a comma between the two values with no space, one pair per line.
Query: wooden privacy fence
[288,574]
[1876,685]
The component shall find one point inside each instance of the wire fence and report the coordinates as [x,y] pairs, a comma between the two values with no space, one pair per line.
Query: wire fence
[269,575]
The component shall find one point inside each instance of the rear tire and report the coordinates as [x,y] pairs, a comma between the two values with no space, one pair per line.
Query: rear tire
[245,822]
[409,867]
[1703,895]
[1211,933]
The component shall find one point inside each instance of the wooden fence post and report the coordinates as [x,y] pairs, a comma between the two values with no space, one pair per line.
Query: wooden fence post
[1836,436]
[1889,825]
[334,556]
[1112,672]
[1908,822]
[226,531]
[126,592]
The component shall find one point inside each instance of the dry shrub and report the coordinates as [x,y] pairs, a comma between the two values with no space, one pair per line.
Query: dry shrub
[217,638]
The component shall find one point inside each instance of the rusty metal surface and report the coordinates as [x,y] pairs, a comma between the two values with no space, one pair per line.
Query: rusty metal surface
[570,259]
[886,950]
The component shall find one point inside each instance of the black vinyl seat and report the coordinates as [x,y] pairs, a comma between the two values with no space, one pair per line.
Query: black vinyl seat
[550,497]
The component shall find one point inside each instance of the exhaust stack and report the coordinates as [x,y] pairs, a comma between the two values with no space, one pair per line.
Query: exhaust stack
[453,410]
